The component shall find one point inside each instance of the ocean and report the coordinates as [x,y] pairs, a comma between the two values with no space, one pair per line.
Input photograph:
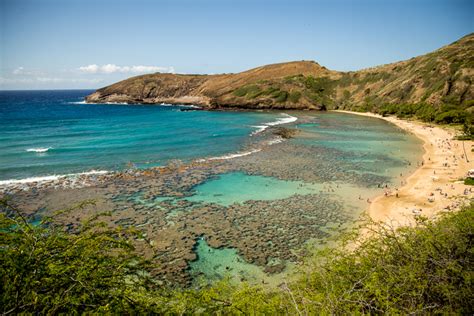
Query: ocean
[47,133]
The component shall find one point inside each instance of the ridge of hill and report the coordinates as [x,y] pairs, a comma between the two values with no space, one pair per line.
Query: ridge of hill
[444,76]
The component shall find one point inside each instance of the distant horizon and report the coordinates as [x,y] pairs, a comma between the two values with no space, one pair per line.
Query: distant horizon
[87,44]
[52,89]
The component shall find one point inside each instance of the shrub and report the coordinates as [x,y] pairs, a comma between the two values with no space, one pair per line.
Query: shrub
[294,96]
[44,269]
[422,269]
[452,116]
[281,96]
[469,181]
[426,112]
[270,90]
[250,91]
[445,114]
[240,92]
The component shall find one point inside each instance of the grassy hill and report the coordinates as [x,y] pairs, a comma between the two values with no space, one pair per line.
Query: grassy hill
[442,77]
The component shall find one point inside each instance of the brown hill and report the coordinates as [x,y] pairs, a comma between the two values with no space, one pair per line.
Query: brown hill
[443,76]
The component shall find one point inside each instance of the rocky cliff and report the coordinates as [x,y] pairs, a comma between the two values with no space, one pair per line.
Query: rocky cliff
[443,76]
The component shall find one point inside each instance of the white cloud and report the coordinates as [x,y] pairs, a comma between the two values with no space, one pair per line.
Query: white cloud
[91,69]
[112,68]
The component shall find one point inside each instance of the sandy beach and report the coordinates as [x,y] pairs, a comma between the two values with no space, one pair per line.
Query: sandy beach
[435,186]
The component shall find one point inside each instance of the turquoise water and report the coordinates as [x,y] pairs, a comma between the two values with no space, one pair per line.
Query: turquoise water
[53,132]
[334,146]
[238,187]
[215,264]
[354,133]
[371,145]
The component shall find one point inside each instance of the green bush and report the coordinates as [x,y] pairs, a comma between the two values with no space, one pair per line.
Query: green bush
[452,116]
[319,85]
[445,114]
[280,96]
[387,109]
[240,92]
[270,90]
[44,269]
[250,91]
[425,269]
[256,92]
[294,96]
[469,181]
[426,112]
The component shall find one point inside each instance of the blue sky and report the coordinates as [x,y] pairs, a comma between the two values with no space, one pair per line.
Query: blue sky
[60,44]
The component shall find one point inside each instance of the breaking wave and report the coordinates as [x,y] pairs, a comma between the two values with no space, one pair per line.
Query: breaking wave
[39,150]
[282,120]
[231,156]
[50,178]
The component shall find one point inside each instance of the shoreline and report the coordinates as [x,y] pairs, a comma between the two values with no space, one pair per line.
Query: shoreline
[434,186]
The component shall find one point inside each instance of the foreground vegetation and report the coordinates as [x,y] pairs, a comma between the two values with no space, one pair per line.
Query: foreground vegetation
[427,268]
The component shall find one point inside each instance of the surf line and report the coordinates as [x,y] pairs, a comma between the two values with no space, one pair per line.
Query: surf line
[39,150]
[231,156]
[51,178]
[282,120]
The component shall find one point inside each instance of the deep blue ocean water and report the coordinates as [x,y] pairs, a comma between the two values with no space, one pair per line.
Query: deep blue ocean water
[54,132]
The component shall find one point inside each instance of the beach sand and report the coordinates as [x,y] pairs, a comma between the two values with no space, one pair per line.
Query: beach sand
[435,186]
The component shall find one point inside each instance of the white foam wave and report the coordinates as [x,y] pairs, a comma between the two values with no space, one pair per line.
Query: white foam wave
[260,128]
[191,106]
[231,156]
[282,120]
[50,178]
[39,150]
[78,102]
[84,102]
[125,103]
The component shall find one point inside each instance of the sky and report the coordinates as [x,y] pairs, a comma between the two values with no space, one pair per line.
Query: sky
[81,44]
